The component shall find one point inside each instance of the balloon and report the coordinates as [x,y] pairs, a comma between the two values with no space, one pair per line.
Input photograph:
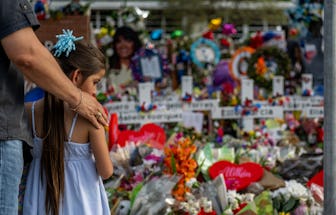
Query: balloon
[257,40]
[39,7]
[156,34]
[229,29]
[208,35]
[270,35]
[40,10]
[224,42]
[215,24]
[222,74]
[142,13]
[176,34]
[113,130]
[293,32]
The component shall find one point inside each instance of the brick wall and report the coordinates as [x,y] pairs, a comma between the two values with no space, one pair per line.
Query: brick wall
[50,28]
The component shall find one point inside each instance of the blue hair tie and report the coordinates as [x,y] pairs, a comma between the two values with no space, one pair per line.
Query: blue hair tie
[65,43]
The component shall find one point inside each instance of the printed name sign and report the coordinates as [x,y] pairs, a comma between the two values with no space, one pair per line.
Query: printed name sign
[291,106]
[231,113]
[173,105]
[313,112]
[267,112]
[155,117]
[299,103]
[225,113]
[117,107]
[207,104]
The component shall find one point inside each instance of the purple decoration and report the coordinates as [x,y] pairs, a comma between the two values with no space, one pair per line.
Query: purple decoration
[222,74]
[229,29]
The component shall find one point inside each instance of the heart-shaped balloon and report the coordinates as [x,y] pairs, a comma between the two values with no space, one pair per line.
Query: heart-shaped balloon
[237,177]
[209,35]
[113,130]
[150,133]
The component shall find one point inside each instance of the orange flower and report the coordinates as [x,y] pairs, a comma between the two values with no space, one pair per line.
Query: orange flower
[182,151]
[261,66]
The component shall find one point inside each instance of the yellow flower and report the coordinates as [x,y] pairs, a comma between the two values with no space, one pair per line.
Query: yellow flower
[103,31]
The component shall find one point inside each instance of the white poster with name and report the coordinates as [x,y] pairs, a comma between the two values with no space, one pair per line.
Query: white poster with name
[278,85]
[154,117]
[119,107]
[187,85]
[145,92]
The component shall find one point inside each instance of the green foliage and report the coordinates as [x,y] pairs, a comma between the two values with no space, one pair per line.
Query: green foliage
[281,205]
[135,192]
[271,53]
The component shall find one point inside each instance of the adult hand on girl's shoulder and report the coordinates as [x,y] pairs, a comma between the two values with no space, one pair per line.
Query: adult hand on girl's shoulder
[92,110]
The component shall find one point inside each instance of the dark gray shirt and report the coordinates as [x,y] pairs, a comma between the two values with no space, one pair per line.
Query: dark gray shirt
[14,15]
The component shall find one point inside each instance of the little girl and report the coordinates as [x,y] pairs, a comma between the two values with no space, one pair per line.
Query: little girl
[64,178]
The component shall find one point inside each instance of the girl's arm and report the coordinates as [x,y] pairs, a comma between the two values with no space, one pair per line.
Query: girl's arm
[100,152]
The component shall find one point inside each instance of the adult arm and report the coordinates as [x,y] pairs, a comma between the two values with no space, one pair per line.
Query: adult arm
[35,61]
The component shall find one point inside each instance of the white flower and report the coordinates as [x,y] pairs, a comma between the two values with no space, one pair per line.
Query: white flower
[293,188]
[297,190]
[232,197]
[248,197]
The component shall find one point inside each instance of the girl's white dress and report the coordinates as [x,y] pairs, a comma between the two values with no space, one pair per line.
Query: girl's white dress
[84,192]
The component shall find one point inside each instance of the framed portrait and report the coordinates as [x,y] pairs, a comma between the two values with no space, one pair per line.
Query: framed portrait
[151,66]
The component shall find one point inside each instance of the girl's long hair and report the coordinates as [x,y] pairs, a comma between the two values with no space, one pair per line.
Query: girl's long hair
[89,60]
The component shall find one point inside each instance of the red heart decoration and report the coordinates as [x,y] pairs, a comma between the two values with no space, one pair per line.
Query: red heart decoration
[150,133]
[113,130]
[237,177]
